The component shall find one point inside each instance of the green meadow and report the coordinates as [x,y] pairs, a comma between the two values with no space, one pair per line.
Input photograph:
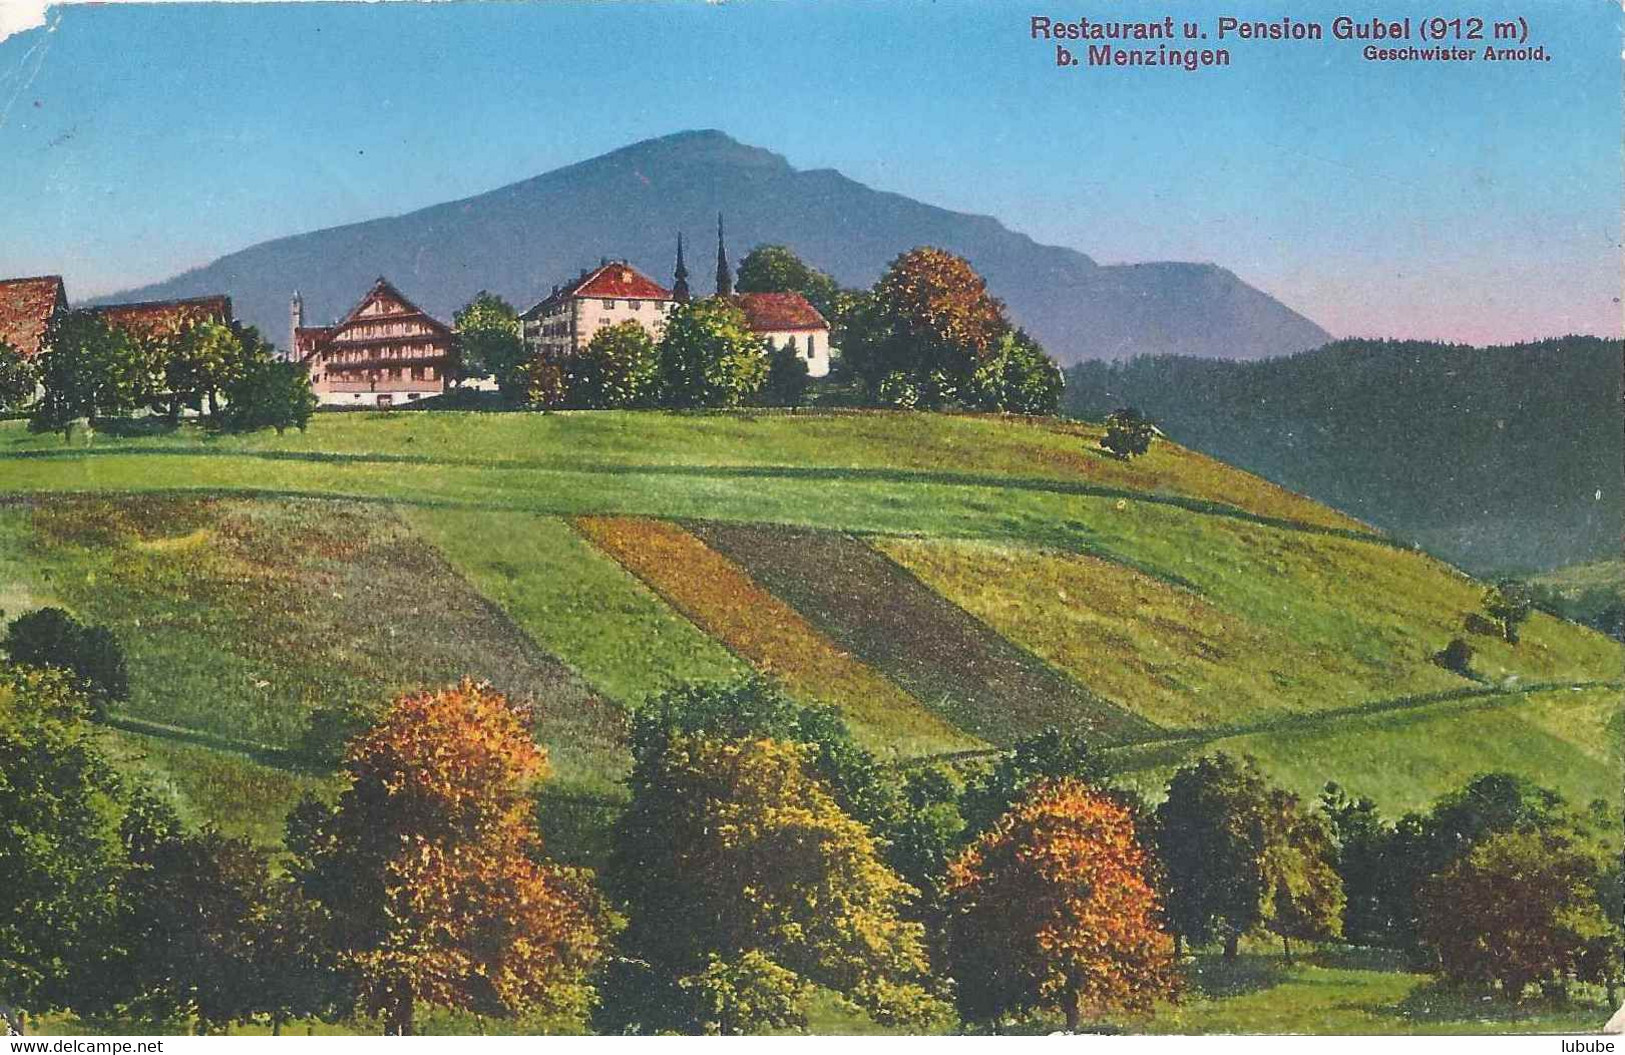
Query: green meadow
[951,583]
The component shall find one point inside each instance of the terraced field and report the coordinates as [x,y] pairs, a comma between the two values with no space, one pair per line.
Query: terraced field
[949,583]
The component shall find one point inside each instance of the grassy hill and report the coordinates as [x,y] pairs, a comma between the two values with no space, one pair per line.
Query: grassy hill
[951,584]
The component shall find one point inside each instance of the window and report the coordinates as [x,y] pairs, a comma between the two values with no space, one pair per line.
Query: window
[811,338]
[608,304]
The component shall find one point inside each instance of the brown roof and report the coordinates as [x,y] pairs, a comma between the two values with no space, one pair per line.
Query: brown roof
[150,317]
[775,312]
[616,279]
[26,307]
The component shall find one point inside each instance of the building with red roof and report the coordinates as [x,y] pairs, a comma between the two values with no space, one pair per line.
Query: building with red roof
[28,307]
[564,322]
[386,352]
[165,318]
[788,319]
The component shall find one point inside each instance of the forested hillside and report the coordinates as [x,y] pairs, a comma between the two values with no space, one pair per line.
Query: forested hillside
[1500,460]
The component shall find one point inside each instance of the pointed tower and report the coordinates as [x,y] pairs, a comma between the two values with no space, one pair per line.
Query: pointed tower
[296,319]
[679,278]
[725,278]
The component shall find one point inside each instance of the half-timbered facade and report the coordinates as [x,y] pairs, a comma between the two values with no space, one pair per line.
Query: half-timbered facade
[385,352]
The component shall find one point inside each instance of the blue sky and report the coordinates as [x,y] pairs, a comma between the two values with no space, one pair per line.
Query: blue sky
[1478,202]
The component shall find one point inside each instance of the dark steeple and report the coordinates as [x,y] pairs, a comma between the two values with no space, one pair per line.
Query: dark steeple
[725,278]
[679,279]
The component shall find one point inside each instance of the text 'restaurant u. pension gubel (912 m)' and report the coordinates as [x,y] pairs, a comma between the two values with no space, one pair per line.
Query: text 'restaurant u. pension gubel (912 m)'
[1152,42]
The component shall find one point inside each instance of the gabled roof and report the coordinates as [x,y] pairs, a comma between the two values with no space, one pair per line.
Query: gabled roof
[617,279]
[26,307]
[150,317]
[384,288]
[775,312]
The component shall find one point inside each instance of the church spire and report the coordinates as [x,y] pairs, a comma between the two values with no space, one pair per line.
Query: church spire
[725,278]
[679,278]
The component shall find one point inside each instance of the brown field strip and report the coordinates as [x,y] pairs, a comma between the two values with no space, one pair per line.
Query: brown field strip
[726,603]
[946,657]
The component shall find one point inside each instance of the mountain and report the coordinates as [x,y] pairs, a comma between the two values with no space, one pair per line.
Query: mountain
[521,239]
[1505,459]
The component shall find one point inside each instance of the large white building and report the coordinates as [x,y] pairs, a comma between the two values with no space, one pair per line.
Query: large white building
[564,322]
[788,319]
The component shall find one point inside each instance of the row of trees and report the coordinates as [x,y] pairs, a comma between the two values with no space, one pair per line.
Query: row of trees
[91,369]
[928,335]
[762,856]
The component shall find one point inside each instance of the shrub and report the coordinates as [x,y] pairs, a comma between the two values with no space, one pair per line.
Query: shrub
[50,637]
[1128,433]
[272,394]
[1456,656]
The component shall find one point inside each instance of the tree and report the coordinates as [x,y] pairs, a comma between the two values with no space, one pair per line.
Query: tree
[735,847]
[787,378]
[1212,835]
[709,357]
[270,394]
[618,368]
[205,359]
[777,269]
[1457,656]
[193,907]
[19,380]
[1362,843]
[1128,433]
[90,369]
[1304,890]
[1047,755]
[427,866]
[61,857]
[1016,377]
[1603,959]
[489,343]
[50,637]
[1508,604]
[931,321]
[1521,907]
[1052,908]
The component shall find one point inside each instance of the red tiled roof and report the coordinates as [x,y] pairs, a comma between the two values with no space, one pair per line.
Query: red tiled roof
[775,312]
[618,280]
[26,307]
[165,316]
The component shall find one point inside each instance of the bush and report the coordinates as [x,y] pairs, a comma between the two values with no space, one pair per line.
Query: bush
[50,637]
[332,726]
[1456,656]
[1128,433]
[787,378]
[618,368]
[272,394]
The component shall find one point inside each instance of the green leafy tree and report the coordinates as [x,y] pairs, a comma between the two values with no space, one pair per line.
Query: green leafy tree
[787,378]
[1128,433]
[270,394]
[1521,907]
[709,357]
[61,803]
[89,369]
[930,322]
[489,344]
[618,368]
[1016,377]
[205,359]
[193,909]
[19,380]
[1048,755]
[1212,836]
[748,994]
[50,637]
[1305,898]
[777,269]
[741,841]
[1602,962]
[1509,605]
[1362,842]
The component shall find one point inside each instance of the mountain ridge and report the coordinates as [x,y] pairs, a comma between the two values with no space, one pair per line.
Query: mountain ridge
[519,239]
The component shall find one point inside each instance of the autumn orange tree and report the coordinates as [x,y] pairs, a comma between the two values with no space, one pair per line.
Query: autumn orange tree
[428,868]
[926,329]
[1052,909]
